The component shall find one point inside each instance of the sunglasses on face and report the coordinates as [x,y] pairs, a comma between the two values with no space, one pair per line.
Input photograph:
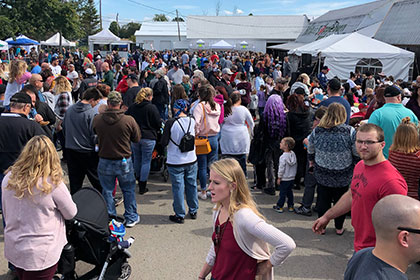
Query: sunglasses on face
[412,230]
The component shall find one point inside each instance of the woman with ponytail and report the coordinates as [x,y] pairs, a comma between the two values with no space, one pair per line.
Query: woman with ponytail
[147,116]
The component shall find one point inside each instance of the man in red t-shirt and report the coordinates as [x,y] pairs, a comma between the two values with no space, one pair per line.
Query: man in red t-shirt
[374,177]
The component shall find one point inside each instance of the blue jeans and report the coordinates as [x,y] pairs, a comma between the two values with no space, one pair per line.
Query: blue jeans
[204,161]
[183,178]
[241,159]
[286,191]
[142,157]
[108,171]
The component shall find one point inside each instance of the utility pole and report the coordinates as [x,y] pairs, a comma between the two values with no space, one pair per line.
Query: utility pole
[100,13]
[177,21]
[118,26]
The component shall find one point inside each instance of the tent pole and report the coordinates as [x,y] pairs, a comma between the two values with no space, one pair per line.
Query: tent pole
[319,64]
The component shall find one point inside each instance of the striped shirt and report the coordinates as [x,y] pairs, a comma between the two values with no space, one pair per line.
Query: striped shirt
[409,167]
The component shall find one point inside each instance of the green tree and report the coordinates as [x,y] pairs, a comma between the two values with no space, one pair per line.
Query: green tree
[160,17]
[128,30]
[180,19]
[7,28]
[114,28]
[39,19]
[89,18]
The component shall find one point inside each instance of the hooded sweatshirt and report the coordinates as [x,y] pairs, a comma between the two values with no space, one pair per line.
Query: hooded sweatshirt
[115,133]
[211,126]
[77,127]
[287,166]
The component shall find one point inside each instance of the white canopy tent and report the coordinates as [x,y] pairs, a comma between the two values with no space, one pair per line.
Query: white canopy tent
[5,47]
[343,52]
[105,41]
[55,41]
[222,45]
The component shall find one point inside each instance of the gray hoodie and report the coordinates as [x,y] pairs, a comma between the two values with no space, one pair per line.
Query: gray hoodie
[78,129]
[287,166]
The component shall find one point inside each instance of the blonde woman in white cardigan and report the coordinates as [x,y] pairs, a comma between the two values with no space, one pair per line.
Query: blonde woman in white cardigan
[241,235]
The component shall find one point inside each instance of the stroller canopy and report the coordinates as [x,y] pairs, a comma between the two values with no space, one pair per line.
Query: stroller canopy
[91,210]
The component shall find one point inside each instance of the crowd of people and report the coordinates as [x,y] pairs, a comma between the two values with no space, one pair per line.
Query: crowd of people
[213,115]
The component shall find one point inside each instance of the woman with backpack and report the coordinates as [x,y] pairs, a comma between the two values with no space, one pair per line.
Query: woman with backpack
[147,117]
[181,160]
[206,115]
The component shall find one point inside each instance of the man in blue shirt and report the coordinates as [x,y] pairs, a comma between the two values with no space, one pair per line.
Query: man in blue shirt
[36,69]
[389,116]
[334,95]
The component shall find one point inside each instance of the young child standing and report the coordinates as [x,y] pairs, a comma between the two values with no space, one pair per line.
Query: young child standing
[286,174]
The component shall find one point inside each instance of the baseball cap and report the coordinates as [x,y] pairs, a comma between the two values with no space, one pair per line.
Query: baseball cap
[54,58]
[391,91]
[71,65]
[114,97]
[216,70]
[132,77]
[325,68]
[21,97]
[89,71]
[334,84]
[227,71]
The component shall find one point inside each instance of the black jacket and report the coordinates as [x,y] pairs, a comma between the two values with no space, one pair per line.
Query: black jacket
[298,125]
[160,92]
[47,114]
[15,131]
[147,117]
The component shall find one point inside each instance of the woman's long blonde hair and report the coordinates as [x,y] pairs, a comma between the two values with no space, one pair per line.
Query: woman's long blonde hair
[143,93]
[62,85]
[240,197]
[406,137]
[17,69]
[38,160]
[336,114]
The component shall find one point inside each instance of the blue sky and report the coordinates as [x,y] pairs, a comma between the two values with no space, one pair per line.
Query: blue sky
[140,10]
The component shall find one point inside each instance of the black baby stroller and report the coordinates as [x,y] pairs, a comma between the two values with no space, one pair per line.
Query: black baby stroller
[90,240]
[158,164]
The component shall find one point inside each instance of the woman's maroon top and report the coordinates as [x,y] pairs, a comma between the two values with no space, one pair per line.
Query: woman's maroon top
[231,262]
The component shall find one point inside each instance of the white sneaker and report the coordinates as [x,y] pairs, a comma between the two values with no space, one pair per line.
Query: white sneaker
[202,196]
[132,224]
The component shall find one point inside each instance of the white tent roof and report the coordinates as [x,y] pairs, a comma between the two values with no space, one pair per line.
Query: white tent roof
[343,52]
[3,45]
[55,41]
[104,36]
[222,44]
[351,45]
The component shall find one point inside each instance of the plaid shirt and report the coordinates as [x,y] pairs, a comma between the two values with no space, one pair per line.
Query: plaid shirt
[63,103]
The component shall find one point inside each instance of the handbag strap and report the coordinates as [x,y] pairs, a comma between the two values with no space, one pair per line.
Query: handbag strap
[205,122]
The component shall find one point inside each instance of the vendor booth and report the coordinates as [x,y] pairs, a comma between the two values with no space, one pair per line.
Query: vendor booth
[343,53]
[106,42]
[23,42]
[221,45]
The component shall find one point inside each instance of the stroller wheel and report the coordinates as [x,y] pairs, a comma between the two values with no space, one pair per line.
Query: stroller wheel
[125,271]
[165,174]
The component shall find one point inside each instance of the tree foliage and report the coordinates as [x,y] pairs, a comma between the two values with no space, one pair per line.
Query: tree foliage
[128,30]
[114,27]
[39,19]
[180,19]
[160,17]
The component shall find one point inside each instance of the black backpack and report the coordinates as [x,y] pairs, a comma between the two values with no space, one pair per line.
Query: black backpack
[187,143]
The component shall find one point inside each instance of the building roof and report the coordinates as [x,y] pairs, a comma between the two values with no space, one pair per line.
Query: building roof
[347,20]
[277,27]
[162,29]
[402,24]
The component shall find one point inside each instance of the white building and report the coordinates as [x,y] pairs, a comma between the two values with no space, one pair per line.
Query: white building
[257,31]
[162,36]
[240,32]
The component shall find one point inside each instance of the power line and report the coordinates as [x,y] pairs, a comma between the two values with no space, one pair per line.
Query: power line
[150,7]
